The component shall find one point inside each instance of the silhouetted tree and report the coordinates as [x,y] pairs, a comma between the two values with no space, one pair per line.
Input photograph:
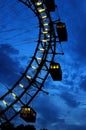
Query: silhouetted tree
[20,127]
[7,126]
[44,129]
[28,127]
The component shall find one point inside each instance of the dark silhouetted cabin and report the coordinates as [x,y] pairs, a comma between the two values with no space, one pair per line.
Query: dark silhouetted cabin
[50,4]
[62,32]
[28,114]
[55,71]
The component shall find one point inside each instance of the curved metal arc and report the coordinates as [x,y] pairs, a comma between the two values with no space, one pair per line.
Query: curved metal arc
[24,74]
[33,80]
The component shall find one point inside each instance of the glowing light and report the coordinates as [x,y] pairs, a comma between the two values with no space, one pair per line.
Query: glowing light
[34,67]
[45,32]
[41,49]
[4,102]
[46,24]
[21,85]
[54,66]
[41,10]
[44,17]
[44,40]
[25,109]
[28,77]
[46,29]
[39,3]
[57,66]
[61,26]
[48,36]
[38,58]
[14,95]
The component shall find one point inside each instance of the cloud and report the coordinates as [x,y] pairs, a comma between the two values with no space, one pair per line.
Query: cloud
[70,99]
[9,66]
[47,111]
[69,127]
[50,112]
[73,13]
[8,49]
[83,85]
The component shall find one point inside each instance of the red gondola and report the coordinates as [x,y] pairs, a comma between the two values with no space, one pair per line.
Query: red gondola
[28,114]
[55,71]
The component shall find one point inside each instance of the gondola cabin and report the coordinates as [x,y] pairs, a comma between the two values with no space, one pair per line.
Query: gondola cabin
[55,71]
[62,32]
[28,114]
[50,4]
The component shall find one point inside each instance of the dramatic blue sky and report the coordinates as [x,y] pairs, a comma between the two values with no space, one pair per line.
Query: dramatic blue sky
[65,106]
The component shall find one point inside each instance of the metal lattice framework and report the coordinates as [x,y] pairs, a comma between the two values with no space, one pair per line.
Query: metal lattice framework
[33,78]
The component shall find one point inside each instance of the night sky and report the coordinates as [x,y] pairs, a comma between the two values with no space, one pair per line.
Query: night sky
[64,108]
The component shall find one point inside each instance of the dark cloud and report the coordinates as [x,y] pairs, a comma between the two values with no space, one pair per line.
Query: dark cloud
[74,16]
[65,126]
[76,127]
[70,99]
[83,84]
[8,49]
[9,66]
[47,111]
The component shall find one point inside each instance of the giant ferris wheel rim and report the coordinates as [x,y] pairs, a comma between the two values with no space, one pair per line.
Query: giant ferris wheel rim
[47,42]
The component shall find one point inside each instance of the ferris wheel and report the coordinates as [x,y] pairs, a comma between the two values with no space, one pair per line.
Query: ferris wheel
[42,63]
